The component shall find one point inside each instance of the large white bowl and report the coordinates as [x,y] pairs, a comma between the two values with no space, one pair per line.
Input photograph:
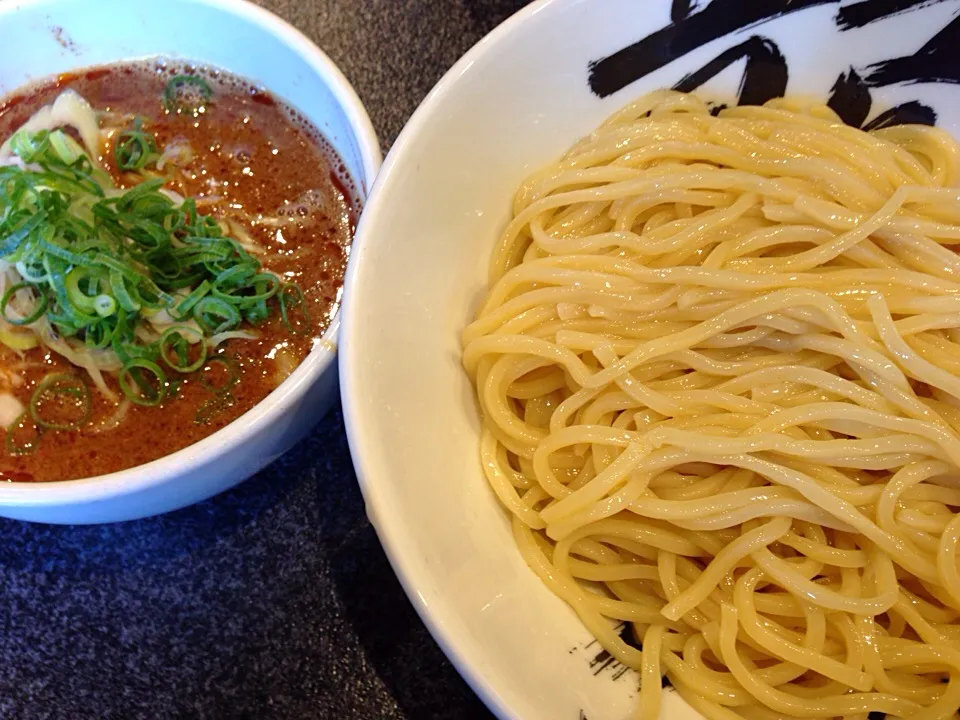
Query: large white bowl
[518,100]
[46,37]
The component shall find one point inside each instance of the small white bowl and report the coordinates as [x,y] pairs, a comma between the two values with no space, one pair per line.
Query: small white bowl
[45,37]
[515,102]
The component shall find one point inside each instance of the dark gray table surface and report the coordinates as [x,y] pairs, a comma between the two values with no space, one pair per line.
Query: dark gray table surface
[274,600]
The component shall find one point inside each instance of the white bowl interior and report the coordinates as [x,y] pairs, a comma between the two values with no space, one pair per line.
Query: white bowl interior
[43,38]
[515,102]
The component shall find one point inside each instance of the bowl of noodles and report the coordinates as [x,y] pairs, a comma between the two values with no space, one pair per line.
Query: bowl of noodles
[651,367]
[175,221]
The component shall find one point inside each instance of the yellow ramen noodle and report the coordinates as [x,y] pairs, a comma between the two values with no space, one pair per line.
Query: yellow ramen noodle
[719,371]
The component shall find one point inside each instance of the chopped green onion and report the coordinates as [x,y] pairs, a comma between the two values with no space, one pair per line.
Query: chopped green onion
[246,278]
[104,305]
[12,239]
[124,269]
[69,395]
[187,304]
[28,146]
[173,387]
[83,299]
[38,310]
[125,299]
[66,148]
[173,341]
[135,148]
[214,406]
[99,335]
[32,273]
[62,253]
[215,315]
[145,393]
[28,445]
[106,267]
[124,341]
[291,298]
[182,89]
[219,385]
[257,313]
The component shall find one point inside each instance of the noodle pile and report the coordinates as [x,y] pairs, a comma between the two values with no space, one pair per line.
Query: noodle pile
[719,372]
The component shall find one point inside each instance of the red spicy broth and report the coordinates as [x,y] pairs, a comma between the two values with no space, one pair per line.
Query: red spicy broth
[248,159]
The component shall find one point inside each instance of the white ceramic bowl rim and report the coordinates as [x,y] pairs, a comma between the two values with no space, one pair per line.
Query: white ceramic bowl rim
[285,396]
[444,626]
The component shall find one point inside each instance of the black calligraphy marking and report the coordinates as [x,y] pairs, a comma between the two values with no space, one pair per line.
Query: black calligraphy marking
[601,660]
[937,61]
[604,660]
[764,78]
[850,98]
[867,11]
[627,635]
[679,9]
[719,18]
[909,113]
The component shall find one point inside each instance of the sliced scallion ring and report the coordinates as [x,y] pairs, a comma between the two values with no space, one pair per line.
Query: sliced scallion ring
[143,382]
[135,148]
[38,309]
[104,305]
[213,407]
[216,315]
[23,445]
[69,396]
[125,298]
[181,87]
[81,298]
[291,298]
[174,341]
[66,148]
[99,335]
[231,369]
[186,305]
